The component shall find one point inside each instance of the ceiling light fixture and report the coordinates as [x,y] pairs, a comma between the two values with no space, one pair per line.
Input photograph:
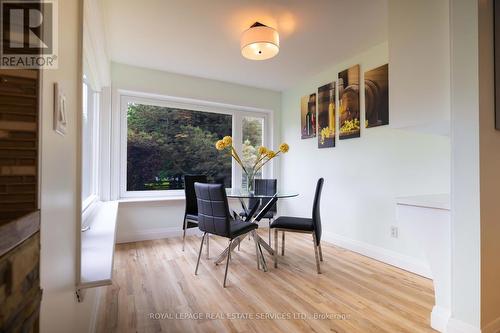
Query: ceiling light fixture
[259,42]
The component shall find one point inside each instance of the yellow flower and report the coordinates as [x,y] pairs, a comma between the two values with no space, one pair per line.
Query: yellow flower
[262,150]
[270,154]
[227,141]
[220,145]
[284,148]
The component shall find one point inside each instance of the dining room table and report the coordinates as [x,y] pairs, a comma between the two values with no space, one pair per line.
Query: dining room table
[254,214]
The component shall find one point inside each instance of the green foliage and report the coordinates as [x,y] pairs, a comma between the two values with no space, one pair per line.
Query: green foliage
[252,131]
[252,139]
[164,144]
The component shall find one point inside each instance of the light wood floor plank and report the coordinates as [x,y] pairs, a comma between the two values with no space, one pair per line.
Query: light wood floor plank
[155,290]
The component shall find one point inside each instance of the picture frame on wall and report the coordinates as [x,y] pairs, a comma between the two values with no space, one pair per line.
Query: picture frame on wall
[377,96]
[308,116]
[326,115]
[349,108]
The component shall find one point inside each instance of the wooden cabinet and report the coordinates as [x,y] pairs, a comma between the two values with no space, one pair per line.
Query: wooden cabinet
[18,143]
[20,292]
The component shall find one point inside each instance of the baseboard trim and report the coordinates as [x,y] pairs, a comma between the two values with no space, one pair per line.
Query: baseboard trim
[159,233]
[492,326]
[458,326]
[378,253]
[439,318]
[151,234]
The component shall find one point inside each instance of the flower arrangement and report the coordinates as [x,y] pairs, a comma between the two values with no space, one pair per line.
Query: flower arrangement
[264,155]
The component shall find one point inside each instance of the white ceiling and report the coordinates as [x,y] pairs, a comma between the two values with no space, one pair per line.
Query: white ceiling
[201,37]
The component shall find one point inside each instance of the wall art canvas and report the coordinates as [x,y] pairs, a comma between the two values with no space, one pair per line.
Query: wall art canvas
[326,116]
[377,96]
[349,115]
[308,116]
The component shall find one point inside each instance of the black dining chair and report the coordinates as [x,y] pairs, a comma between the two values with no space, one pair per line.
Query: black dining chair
[191,212]
[263,187]
[214,218]
[302,225]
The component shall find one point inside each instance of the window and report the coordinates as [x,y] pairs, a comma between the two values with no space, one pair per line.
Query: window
[162,140]
[252,139]
[164,144]
[90,141]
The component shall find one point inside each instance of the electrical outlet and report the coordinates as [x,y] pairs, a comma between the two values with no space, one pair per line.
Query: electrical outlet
[394,232]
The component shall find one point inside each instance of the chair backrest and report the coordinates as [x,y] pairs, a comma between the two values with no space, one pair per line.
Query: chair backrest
[266,187]
[213,209]
[191,204]
[316,216]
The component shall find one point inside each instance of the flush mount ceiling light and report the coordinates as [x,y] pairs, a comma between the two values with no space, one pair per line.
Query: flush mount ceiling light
[259,42]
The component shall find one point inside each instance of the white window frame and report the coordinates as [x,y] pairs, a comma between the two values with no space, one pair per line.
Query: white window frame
[237,113]
[94,100]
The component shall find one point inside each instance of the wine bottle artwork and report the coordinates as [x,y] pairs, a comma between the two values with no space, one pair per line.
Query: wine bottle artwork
[326,116]
[349,114]
[377,96]
[308,116]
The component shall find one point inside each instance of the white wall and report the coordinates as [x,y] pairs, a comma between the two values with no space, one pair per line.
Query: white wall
[362,176]
[148,220]
[465,190]
[60,311]
[419,75]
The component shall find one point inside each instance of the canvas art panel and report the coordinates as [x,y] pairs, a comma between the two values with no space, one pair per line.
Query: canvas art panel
[349,114]
[326,115]
[308,116]
[377,96]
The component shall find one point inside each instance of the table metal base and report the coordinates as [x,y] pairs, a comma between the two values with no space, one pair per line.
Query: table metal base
[259,243]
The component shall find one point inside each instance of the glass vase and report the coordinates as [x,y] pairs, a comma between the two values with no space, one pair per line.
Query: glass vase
[250,182]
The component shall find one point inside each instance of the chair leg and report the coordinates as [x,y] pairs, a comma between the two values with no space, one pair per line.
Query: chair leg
[316,253]
[184,233]
[199,254]
[320,252]
[283,244]
[227,264]
[256,249]
[208,247]
[264,265]
[269,232]
[275,255]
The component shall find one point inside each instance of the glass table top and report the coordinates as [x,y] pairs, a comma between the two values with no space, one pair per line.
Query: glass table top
[240,193]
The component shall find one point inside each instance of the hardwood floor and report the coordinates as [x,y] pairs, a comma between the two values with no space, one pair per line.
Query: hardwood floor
[155,290]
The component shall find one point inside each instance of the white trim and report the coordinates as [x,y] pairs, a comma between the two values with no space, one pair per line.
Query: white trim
[381,254]
[156,233]
[94,48]
[457,326]
[439,318]
[93,109]
[127,201]
[87,205]
[188,102]
[98,246]
[105,116]
[123,97]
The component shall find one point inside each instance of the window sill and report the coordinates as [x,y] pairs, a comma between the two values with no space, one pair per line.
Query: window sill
[151,199]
